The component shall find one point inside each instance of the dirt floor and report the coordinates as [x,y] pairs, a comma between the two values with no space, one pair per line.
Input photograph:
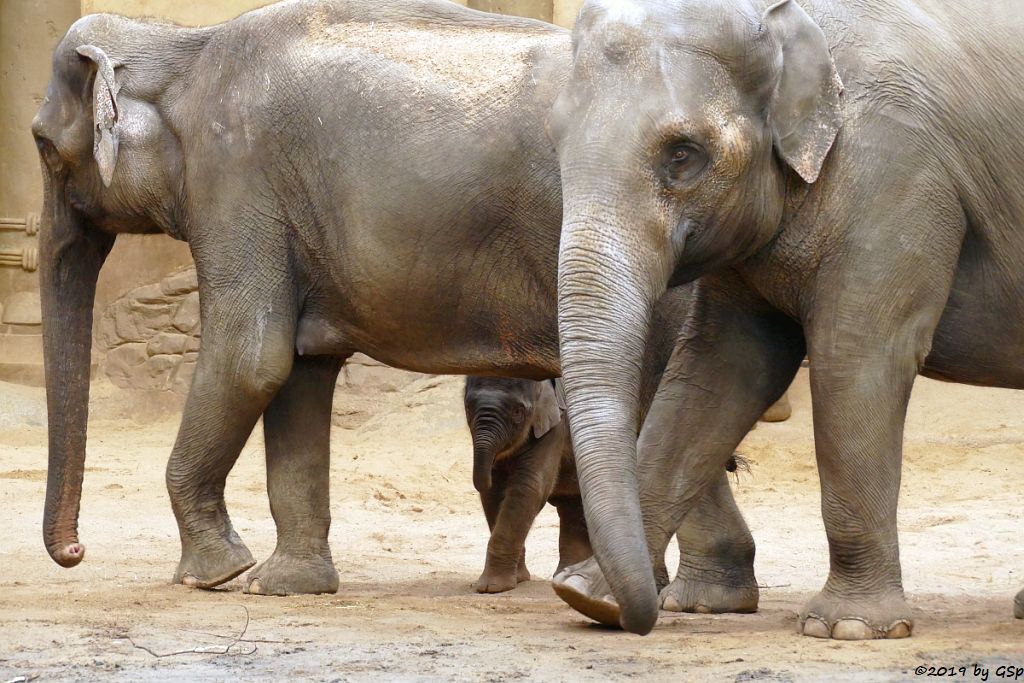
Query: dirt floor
[409,538]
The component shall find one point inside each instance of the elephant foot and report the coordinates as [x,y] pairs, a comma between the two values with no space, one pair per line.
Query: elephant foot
[1018,605]
[214,564]
[285,574]
[585,589]
[830,616]
[703,596]
[780,411]
[499,581]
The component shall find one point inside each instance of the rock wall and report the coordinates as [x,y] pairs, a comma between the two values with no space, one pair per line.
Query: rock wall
[149,337]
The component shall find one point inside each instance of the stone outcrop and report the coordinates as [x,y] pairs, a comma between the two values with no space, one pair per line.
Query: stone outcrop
[150,336]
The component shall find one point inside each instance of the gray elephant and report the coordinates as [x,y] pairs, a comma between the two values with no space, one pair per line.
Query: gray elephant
[354,175]
[846,181]
[522,459]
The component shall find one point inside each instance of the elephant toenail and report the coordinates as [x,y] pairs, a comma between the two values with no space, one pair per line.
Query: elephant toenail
[901,629]
[576,583]
[702,609]
[816,628]
[671,604]
[255,587]
[852,629]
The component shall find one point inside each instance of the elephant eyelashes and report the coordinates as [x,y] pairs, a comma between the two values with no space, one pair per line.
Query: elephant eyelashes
[683,162]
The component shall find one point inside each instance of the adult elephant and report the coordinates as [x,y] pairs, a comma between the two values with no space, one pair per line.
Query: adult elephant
[846,180]
[350,176]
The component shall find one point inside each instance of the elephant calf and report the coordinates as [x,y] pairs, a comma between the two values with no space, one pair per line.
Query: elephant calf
[522,458]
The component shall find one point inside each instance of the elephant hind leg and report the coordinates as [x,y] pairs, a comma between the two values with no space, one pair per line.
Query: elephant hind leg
[297,426]
[716,558]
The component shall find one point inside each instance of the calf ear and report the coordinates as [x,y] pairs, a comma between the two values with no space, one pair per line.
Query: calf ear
[546,413]
[806,107]
[104,111]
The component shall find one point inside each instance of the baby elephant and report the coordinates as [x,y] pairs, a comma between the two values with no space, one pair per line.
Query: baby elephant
[522,458]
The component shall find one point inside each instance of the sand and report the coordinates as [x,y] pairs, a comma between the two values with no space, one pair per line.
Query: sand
[408,539]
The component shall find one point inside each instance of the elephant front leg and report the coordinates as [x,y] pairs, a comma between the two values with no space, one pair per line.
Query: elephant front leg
[297,426]
[246,356]
[503,569]
[526,491]
[716,558]
[733,360]
[859,409]
[870,329]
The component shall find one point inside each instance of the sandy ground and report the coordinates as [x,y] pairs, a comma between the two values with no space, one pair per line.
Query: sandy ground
[409,539]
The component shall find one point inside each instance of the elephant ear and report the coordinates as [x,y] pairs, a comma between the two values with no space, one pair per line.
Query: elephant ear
[546,413]
[104,111]
[806,107]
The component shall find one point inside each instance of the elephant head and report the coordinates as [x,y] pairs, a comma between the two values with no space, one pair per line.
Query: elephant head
[110,165]
[677,133]
[503,414]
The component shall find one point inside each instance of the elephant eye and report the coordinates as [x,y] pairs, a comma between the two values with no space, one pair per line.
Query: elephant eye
[683,161]
[49,154]
[518,413]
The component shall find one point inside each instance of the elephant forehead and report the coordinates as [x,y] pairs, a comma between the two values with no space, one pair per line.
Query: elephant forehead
[644,30]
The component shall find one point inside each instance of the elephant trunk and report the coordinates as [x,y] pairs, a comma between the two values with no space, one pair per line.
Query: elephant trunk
[607,289]
[72,254]
[483,461]
[490,434]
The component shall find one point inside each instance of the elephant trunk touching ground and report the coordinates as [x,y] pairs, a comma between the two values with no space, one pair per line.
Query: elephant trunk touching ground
[603,329]
[72,254]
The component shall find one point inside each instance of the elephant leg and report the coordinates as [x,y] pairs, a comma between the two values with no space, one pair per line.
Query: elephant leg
[491,501]
[297,427]
[874,314]
[573,539]
[734,357]
[716,558]
[246,356]
[528,487]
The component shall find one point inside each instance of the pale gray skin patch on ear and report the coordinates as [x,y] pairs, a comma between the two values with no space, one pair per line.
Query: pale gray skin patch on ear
[104,107]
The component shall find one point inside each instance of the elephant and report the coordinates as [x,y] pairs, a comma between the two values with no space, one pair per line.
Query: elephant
[350,175]
[522,458]
[838,178]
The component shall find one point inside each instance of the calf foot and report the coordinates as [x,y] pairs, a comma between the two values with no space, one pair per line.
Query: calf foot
[214,562]
[585,589]
[501,580]
[828,615]
[294,574]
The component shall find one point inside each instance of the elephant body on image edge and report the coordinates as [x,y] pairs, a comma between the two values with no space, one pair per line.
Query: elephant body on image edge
[839,178]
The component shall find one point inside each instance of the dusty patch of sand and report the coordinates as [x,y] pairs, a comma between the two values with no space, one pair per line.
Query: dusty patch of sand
[409,539]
